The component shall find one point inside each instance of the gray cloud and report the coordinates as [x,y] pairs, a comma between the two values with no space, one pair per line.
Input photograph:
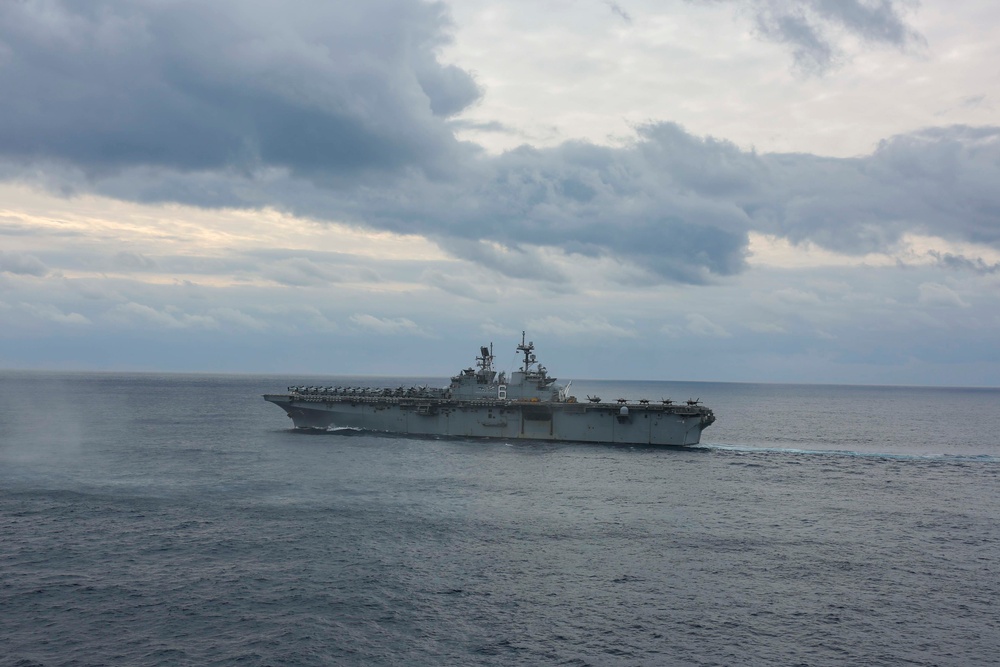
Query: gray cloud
[960,262]
[975,102]
[297,272]
[131,313]
[618,11]
[133,261]
[811,50]
[460,286]
[664,203]
[939,181]
[22,264]
[514,262]
[385,325]
[676,206]
[50,313]
[482,126]
[339,111]
[681,207]
[812,28]
[313,86]
[934,294]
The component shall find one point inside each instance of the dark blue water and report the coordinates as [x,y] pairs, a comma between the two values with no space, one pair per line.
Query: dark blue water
[174,520]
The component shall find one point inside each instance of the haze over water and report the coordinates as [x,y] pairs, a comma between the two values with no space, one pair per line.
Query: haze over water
[175,519]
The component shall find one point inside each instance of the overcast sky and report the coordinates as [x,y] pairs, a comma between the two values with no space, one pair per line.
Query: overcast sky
[733,190]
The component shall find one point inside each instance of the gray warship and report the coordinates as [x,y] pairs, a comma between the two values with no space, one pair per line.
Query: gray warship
[481,402]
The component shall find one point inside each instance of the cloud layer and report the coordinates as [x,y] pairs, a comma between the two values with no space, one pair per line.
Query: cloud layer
[313,86]
[340,111]
[323,135]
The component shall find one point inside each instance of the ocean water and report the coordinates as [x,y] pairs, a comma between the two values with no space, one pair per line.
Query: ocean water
[176,520]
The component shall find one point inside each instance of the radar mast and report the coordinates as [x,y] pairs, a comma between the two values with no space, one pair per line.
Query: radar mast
[485,359]
[484,362]
[529,354]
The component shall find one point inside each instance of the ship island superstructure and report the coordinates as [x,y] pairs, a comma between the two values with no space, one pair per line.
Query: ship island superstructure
[481,402]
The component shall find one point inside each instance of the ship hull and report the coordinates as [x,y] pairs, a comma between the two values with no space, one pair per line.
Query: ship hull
[571,422]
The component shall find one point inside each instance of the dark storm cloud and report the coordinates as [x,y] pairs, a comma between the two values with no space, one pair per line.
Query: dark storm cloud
[664,203]
[810,27]
[311,86]
[681,207]
[938,181]
[338,111]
